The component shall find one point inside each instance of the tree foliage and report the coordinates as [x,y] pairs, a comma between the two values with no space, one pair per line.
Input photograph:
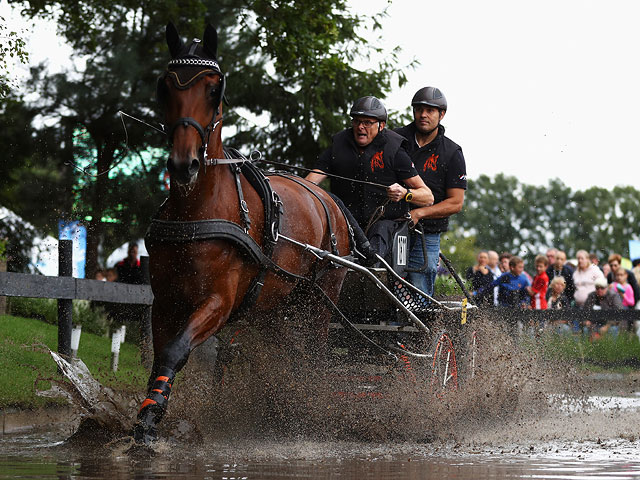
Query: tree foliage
[290,62]
[460,248]
[504,214]
[12,48]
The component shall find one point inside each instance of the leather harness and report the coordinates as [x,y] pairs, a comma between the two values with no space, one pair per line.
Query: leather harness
[169,231]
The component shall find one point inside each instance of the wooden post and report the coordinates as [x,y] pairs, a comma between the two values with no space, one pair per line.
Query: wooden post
[65,306]
[146,334]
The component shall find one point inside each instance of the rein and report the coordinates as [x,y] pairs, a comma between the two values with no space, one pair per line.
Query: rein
[332,175]
[222,161]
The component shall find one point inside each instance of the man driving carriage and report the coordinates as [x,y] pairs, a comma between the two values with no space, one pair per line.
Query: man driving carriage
[374,156]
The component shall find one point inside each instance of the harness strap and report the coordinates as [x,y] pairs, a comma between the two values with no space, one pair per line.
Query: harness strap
[272,212]
[212,162]
[167,231]
[332,235]
[244,209]
[185,122]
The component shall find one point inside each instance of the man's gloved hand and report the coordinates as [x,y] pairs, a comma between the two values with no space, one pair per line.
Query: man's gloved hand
[369,253]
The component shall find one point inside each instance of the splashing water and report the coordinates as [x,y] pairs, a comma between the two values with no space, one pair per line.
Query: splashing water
[270,397]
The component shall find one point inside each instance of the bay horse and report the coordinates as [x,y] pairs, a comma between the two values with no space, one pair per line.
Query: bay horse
[228,241]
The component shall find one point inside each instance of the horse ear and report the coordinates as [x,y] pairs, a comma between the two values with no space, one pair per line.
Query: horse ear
[173,40]
[210,41]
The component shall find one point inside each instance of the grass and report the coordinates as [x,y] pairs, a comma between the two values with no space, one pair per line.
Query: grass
[447,285]
[620,353]
[24,358]
[90,315]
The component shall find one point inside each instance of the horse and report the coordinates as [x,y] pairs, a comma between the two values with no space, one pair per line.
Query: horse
[228,241]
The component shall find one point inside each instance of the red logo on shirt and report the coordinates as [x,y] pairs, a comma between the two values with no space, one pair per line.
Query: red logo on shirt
[376,161]
[431,163]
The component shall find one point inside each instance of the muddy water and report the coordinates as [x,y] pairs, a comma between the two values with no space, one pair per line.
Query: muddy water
[37,456]
[520,417]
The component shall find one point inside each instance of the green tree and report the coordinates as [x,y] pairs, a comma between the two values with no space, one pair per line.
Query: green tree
[559,211]
[606,220]
[12,47]
[32,174]
[490,213]
[505,214]
[460,249]
[289,60]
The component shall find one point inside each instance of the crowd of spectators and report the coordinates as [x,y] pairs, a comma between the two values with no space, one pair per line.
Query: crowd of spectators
[501,281]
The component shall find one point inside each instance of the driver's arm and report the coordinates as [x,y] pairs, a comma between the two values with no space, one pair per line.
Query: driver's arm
[449,206]
[422,195]
[316,176]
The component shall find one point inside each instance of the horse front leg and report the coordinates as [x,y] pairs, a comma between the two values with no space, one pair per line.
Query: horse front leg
[207,320]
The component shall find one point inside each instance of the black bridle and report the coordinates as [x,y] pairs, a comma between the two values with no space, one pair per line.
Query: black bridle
[211,67]
[203,132]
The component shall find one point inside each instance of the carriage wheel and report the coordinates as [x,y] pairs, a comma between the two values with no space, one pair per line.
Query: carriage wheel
[444,369]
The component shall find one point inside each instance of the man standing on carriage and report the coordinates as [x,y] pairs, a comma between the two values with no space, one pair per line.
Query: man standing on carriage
[374,156]
[441,165]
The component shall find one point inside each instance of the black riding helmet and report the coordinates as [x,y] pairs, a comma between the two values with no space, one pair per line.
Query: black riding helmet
[430,96]
[369,107]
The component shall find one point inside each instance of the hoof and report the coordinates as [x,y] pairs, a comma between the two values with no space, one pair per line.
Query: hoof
[144,434]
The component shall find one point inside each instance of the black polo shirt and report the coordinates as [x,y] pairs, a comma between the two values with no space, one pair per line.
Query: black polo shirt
[441,165]
[384,161]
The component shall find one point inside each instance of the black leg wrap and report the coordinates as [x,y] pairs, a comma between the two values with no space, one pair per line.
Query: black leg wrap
[154,406]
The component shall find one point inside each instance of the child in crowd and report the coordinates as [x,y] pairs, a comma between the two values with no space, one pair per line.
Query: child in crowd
[111,275]
[623,288]
[513,286]
[558,300]
[540,284]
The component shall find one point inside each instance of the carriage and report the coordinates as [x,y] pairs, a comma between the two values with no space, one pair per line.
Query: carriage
[370,328]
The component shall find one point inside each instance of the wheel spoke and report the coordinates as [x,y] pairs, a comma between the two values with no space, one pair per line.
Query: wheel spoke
[444,371]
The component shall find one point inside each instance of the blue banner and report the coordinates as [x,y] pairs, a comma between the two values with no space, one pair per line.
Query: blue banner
[76,232]
[634,249]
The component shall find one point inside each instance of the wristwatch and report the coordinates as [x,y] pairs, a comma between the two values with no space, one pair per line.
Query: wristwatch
[409,196]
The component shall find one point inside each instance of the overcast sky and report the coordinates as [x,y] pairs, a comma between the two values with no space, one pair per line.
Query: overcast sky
[539,90]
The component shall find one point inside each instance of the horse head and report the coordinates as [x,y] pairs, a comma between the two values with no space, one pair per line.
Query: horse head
[190,92]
